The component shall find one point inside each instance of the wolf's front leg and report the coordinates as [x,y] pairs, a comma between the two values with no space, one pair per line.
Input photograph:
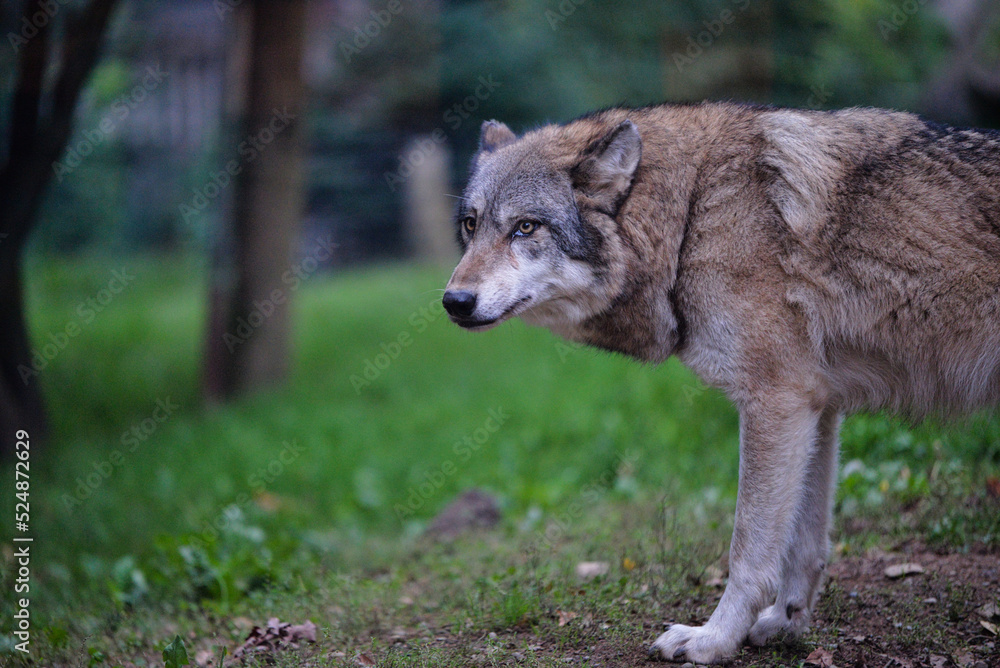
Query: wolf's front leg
[809,544]
[775,441]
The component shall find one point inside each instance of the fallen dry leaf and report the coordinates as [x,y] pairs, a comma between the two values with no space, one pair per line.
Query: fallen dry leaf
[990,626]
[902,570]
[964,658]
[993,486]
[591,569]
[305,631]
[989,611]
[820,657]
[364,659]
[628,565]
[938,661]
[566,617]
[274,636]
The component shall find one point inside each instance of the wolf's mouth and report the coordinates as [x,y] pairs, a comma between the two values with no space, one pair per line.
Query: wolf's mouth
[476,325]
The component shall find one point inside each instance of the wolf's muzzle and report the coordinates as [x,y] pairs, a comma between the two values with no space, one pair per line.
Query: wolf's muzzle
[459,303]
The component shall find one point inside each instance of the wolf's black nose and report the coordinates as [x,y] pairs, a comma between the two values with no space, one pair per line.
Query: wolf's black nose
[459,303]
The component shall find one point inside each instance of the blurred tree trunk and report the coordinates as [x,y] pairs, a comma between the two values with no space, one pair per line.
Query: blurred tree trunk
[426,203]
[222,274]
[37,139]
[254,348]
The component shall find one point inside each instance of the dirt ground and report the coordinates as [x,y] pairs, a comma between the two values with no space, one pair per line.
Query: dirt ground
[937,618]
[929,619]
[942,614]
[933,618]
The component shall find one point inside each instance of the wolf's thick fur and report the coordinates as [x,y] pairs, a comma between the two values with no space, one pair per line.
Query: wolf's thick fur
[809,263]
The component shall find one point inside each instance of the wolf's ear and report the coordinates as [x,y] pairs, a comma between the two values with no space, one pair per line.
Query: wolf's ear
[606,168]
[494,135]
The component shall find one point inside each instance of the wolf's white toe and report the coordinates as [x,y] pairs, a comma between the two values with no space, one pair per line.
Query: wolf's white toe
[774,622]
[701,644]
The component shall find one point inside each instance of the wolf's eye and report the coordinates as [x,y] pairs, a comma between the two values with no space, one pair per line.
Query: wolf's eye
[469,224]
[525,227]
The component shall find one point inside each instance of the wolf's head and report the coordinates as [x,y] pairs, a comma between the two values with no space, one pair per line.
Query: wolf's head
[537,225]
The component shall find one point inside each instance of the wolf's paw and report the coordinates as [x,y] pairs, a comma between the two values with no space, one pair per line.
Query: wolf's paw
[700,644]
[773,622]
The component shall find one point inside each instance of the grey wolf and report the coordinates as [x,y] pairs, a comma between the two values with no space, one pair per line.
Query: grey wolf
[808,263]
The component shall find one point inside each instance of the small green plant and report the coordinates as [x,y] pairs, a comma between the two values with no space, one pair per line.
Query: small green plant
[95,657]
[959,597]
[517,608]
[175,654]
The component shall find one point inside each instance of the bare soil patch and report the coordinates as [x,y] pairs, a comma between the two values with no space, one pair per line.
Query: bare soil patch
[865,619]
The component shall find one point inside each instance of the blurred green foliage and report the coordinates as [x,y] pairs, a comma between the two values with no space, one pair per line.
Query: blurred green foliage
[561,59]
[553,60]
[199,506]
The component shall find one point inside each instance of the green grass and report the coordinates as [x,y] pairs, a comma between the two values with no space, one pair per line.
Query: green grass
[571,413]
[322,487]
